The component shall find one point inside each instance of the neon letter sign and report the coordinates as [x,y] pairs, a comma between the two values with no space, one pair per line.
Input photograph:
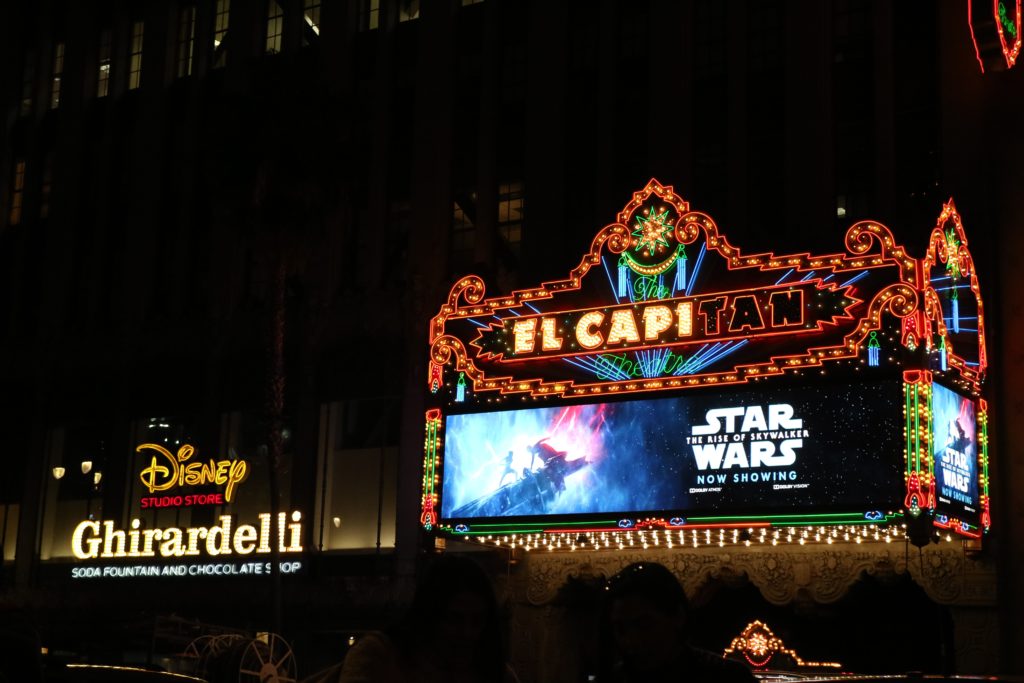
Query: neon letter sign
[175,472]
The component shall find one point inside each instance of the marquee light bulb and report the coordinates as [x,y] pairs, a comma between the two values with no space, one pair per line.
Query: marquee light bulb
[86,466]
[58,473]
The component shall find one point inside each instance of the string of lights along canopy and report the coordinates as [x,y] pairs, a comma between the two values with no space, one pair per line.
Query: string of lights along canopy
[674,389]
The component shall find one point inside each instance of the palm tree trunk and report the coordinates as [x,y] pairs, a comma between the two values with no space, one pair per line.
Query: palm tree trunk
[275,414]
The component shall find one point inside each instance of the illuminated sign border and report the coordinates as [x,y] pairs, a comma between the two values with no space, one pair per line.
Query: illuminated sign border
[610,522]
[1003,24]
[910,298]
[919,460]
[869,245]
[948,245]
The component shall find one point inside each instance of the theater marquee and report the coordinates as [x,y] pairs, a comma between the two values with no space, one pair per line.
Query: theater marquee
[674,381]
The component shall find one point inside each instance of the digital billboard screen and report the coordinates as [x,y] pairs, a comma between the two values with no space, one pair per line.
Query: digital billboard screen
[955,446]
[766,449]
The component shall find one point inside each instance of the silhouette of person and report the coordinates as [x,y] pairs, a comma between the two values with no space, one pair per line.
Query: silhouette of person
[553,461]
[20,660]
[508,469]
[646,617]
[451,634]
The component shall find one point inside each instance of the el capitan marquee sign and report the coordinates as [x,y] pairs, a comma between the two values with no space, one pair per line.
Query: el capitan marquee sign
[664,306]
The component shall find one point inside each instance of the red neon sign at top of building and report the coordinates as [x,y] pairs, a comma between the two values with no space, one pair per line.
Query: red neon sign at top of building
[662,281]
[995,31]
[662,301]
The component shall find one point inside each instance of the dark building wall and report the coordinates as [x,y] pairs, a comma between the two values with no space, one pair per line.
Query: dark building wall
[147,288]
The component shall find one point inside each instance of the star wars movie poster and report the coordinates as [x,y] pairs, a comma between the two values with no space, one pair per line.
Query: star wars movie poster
[955,442]
[823,447]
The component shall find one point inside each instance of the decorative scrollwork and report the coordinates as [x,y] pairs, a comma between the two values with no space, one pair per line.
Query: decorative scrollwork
[964,261]
[899,299]
[863,234]
[825,574]
[615,235]
[687,231]
[471,288]
[446,346]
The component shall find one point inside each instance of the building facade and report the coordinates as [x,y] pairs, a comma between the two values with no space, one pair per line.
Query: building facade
[227,224]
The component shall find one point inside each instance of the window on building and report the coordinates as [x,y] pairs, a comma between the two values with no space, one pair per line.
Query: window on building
[463,234]
[766,35]
[247,438]
[634,32]
[186,40]
[275,27]
[46,188]
[369,15]
[17,191]
[28,83]
[58,72]
[135,59]
[358,475]
[74,490]
[853,98]
[513,73]
[311,17]
[12,492]
[220,32]
[408,10]
[11,508]
[170,433]
[711,40]
[510,214]
[103,78]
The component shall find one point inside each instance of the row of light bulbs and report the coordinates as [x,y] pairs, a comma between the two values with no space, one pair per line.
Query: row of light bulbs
[696,538]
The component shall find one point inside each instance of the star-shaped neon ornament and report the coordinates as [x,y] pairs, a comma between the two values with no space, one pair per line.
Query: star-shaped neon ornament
[651,229]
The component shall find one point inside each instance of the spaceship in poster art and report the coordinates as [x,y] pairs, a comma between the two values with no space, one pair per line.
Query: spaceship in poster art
[532,490]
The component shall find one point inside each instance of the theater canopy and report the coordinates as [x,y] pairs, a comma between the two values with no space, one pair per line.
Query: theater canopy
[675,384]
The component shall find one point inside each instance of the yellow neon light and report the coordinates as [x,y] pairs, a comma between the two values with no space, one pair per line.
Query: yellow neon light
[656,319]
[93,539]
[175,470]
[549,342]
[684,312]
[586,323]
[623,327]
[524,331]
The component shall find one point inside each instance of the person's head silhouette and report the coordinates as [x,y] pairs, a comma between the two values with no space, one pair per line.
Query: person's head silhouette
[455,596]
[647,613]
[648,620]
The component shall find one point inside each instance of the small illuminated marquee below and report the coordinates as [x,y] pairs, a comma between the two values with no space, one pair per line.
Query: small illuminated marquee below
[763,649]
